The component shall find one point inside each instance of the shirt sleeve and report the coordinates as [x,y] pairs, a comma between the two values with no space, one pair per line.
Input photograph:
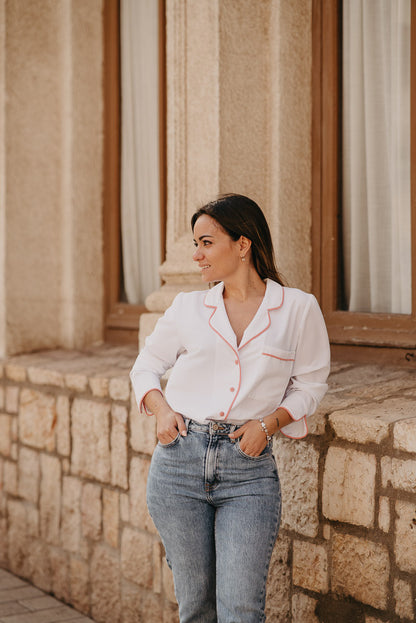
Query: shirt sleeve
[159,354]
[307,385]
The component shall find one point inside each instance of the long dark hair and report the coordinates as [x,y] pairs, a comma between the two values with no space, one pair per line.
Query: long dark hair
[240,216]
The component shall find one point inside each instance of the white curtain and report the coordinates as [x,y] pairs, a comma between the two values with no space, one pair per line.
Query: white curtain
[140,208]
[376,155]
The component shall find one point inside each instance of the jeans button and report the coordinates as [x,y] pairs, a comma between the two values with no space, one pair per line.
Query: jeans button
[215,427]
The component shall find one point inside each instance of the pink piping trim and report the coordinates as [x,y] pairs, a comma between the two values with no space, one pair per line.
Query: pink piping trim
[275,357]
[269,309]
[234,351]
[142,406]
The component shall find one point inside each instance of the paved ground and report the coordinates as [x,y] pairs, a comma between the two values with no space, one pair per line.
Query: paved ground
[20,602]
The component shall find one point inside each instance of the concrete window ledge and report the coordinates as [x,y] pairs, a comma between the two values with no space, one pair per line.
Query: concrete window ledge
[74,456]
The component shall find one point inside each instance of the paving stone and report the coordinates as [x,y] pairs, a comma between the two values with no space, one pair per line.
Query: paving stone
[11,607]
[40,603]
[54,615]
[19,593]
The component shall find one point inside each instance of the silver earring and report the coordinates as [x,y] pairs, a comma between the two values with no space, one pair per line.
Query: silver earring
[243,259]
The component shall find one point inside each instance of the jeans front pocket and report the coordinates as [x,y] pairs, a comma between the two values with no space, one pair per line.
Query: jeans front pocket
[264,455]
[171,443]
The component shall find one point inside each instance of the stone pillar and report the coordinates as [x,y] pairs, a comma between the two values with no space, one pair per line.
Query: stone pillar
[239,120]
[50,174]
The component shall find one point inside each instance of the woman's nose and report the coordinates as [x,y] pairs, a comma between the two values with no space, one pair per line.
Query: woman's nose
[197,255]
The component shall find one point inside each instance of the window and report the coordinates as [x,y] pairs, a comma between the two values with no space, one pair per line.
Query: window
[355,321]
[123,302]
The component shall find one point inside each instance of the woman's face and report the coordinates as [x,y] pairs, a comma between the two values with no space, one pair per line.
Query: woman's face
[218,256]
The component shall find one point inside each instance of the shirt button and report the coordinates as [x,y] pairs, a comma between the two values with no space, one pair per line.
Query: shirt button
[222,413]
[236,362]
[232,389]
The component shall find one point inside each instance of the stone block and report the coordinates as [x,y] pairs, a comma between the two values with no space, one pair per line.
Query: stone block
[140,607]
[18,539]
[3,542]
[105,585]
[63,432]
[297,462]
[29,472]
[1,397]
[59,566]
[43,376]
[404,600]
[170,610]
[384,514]
[111,520]
[14,430]
[99,386]
[79,582]
[37,419]
[16,373]
[76,382]
[279,582]
[369,423]
[139,515]
[360,569]
[90,439]
[10,477]
[119,442]
[405,536]
[71,515]
[142,430]
[33,522]
[404,434]
[348,492]
[137,557]
[5,434]
[310,566]
[50,498]
[124,508]
[119,388]
[168,584]
[400,474]
[12,399]
[158,555]
[39,565]
[91,510]
[303,609]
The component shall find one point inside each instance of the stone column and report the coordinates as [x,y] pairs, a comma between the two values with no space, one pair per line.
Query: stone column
[239,120]
[51,276]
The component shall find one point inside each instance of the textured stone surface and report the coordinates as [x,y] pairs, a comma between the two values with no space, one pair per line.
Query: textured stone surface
[139,515]
[349,486]
[279,581]
[90,439]
[111,520]
[18,539]
[91,511]
[360,568]
[137,557]
[384,514]
[310,566]
[105,584]
[50,498]
[303,609]
[71,514]
[119,446]
[405,535]
[29,472]
[5,434]
[45,376]
[404,433]
[63,431]
[142,430]
[138,607]
[297,464]
[405,605]
[167,582]
[398,473]
[79,584]
[367,423]
[37,419]
[60,574]
[15,372]
[119,388]
[10,477]
[12,399]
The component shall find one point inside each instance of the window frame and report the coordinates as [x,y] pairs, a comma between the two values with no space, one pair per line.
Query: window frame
[121,320]
[354,335]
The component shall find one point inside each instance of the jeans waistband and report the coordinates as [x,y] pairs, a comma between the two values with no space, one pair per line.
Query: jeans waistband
[213,428]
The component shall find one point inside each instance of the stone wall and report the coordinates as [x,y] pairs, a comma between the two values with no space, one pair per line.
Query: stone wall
[73,461]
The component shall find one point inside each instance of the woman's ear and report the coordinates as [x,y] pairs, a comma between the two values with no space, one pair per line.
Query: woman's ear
[245,244]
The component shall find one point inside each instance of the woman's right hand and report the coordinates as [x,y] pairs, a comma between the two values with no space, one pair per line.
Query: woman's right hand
[169,423]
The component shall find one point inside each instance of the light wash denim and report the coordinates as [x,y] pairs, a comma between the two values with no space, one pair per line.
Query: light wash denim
[217,511]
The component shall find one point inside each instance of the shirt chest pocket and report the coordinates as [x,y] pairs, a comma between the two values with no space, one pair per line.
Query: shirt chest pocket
[273,371]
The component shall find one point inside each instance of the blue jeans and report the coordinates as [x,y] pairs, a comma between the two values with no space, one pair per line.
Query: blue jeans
[217,511]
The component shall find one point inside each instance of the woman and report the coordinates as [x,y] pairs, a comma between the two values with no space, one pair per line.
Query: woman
[249,358]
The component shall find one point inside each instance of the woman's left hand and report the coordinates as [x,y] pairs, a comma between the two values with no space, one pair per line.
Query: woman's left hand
[252,438]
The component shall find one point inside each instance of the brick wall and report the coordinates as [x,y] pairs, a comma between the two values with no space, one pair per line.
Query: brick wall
[74,455]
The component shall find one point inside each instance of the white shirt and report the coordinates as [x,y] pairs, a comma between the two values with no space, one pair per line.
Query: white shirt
[282,361]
